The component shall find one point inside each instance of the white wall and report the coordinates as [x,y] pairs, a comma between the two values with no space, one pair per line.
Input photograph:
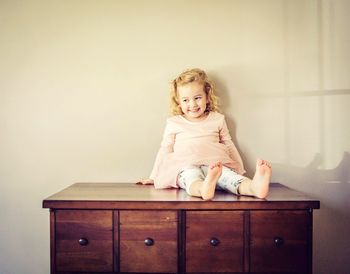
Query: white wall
[84,93]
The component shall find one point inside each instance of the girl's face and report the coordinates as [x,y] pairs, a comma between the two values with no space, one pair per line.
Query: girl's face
[193,101]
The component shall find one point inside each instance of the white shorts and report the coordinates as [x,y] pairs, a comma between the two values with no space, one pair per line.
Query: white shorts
[228,181]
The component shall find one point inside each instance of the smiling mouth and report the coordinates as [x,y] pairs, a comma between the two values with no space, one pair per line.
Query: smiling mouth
[194,110]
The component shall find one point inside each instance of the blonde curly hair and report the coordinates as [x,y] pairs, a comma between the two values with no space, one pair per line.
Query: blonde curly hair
[189,76]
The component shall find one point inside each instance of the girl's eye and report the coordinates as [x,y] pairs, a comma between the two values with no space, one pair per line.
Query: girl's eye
[185,100]
[198,98]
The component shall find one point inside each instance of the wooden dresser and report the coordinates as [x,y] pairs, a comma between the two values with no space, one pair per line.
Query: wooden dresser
[129,228]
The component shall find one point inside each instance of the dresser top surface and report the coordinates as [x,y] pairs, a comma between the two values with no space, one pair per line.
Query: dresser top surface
[130,195]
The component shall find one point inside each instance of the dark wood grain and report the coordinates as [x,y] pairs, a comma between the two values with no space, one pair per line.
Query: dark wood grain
[133,196]
[161,227]
[116,257]
[116,218]
[53,241]
[292,254]
[225,226]
[96,227]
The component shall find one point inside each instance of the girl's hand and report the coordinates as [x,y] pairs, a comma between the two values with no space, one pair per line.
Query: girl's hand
[146,182]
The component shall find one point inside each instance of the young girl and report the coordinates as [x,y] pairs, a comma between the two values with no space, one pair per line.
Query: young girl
[197,153]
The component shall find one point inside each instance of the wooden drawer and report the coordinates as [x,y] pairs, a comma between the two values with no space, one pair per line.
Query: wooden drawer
[84,240]
[279,241]
[214,241]
[148,241]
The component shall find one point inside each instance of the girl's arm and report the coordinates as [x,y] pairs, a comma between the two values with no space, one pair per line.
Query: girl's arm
[146,182]
[166,147]
[225,138]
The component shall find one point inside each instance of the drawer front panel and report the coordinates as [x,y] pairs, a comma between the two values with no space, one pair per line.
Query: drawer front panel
[214,241]
[84,240]
[279,241]
[148,241]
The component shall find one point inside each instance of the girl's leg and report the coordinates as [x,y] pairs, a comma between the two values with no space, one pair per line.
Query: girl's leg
[206,188]
[259,186]
[197,184]
[229,180]
[188,176]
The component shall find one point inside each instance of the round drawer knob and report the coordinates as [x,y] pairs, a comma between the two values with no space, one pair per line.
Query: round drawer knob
[149,241]
[83,241]
[278,241]
[214,241]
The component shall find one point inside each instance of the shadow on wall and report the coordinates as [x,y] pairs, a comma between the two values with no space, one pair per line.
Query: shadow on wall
[318,182]
[332,221]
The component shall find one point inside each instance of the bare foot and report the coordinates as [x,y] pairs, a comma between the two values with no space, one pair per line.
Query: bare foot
[261,180]
[208,188]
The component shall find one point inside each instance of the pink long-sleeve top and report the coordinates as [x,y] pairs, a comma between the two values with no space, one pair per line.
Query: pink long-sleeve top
[187,143]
